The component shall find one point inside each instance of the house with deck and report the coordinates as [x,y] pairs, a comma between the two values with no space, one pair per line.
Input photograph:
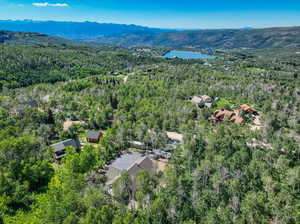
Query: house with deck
[130,162]
[60,147]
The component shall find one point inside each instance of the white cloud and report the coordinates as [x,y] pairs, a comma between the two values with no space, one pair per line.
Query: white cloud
[46,4]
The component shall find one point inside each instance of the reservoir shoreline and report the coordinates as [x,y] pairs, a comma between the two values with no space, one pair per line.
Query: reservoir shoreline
[187,55]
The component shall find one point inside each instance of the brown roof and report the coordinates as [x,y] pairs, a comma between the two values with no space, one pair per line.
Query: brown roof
[216,112]
[237,119]
[221,114]
[247,108]
[229,113]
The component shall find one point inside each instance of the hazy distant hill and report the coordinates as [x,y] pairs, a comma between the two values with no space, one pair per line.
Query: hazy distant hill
[227,38]
[27,38]
[132,35]
[74,30]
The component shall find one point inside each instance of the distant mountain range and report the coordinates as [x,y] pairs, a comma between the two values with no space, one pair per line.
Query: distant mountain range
[74,30]
[137,36]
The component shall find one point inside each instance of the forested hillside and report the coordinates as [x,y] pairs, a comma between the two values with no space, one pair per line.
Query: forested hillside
[25,38]
[42,62]
[198,39]
[222,172]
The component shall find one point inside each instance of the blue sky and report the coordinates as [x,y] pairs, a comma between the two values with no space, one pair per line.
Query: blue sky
[160,13]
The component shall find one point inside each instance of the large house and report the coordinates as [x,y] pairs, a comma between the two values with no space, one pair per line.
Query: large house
[236,115]
[60,147]
[130,162]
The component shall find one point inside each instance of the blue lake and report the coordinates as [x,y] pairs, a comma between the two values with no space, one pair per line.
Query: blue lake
[187,55]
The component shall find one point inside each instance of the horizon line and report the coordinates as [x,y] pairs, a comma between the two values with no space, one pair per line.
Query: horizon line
[152,27]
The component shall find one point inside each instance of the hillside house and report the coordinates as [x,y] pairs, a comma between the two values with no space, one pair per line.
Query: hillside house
[130,162]
[235,116]
[93,136]
[60,147]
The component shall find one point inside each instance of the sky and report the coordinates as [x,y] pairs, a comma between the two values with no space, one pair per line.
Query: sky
[188,14]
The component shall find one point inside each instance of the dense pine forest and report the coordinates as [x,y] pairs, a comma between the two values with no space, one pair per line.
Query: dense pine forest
[222,172]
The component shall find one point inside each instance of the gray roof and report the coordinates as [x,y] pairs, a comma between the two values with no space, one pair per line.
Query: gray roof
[60,146]
[127,160]
[93,134]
